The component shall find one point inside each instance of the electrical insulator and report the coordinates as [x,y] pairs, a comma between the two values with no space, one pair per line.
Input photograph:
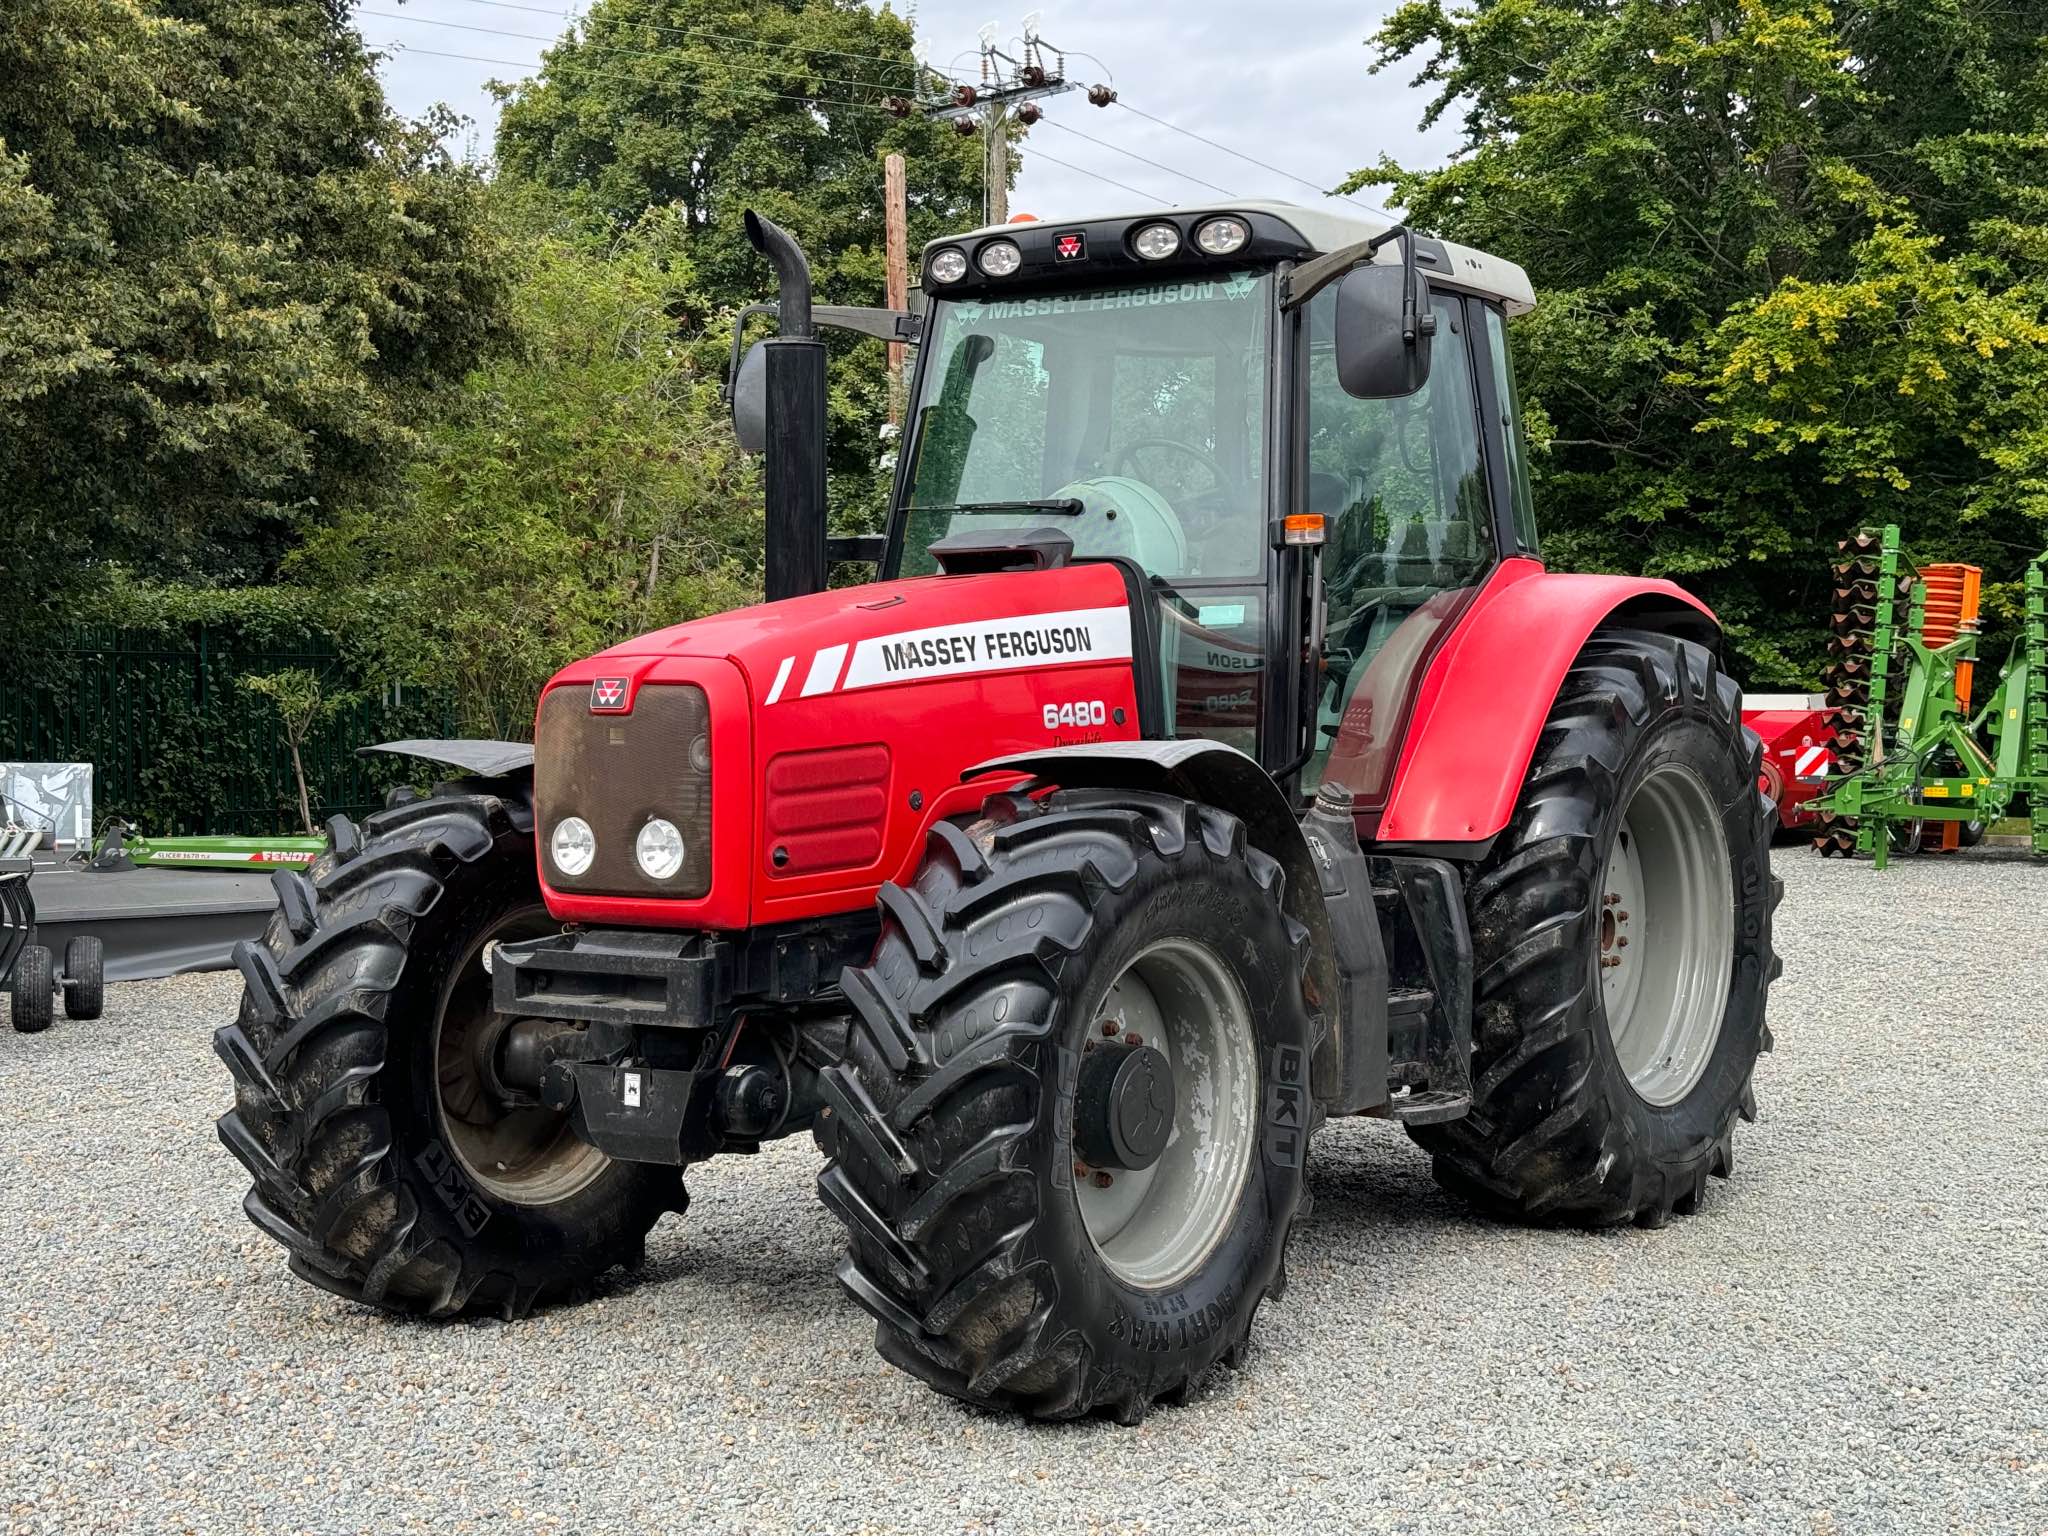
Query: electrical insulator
[1029,113]
[896,106]
[965,96]
[1100,95]
[1032,75]
[964,126]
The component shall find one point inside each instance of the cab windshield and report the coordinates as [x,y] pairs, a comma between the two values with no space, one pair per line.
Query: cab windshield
[1132,417]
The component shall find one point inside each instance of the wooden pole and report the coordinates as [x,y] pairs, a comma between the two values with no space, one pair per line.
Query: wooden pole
[895,222]
[996,166]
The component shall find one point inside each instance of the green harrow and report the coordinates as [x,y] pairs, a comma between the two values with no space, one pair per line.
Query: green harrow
[1930,760]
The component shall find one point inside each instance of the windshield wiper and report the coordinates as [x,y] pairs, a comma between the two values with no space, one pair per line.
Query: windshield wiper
[1064,506]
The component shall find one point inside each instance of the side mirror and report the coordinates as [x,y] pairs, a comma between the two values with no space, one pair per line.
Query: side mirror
[750,400]
[1384,327]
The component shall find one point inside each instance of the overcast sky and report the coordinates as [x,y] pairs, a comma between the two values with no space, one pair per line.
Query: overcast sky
[1284,85]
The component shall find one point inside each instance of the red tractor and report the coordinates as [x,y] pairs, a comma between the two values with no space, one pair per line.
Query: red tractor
[1211,754]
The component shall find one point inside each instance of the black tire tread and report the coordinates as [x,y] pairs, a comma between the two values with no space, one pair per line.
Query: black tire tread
[1542,1143]
[310,1043]
[927,1168]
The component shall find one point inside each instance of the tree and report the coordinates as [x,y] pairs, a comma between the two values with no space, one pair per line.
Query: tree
[1792,266]
[232,283]
[304,702]
[585,487]
[712,108]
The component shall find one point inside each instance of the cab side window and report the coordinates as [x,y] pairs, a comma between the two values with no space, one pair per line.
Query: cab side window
[1404,485]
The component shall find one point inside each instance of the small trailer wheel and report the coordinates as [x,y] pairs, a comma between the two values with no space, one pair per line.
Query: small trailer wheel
[35,990]
[85,978]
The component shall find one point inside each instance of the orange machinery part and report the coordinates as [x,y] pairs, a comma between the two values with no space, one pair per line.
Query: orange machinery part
[1952,596]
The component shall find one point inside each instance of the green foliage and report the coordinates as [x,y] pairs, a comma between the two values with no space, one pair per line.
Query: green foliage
[231,284]
[584,488]
[1792,268]
[649,104]
[304,701]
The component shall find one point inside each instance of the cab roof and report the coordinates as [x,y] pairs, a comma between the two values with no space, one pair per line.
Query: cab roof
[1324,231]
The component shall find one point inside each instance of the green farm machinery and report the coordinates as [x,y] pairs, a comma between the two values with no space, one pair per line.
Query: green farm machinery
[1921,761]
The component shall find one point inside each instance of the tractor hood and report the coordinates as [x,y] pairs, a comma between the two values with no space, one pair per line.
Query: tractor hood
[852,639]
[805,748]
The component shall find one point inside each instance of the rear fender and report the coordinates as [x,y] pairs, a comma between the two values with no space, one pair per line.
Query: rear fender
[1219,776]
[1483,700]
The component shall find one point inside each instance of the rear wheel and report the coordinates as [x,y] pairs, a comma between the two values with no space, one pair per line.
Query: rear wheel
[1622,944]
[35,990]
[387,1157]
[85,995]
[1067,1138]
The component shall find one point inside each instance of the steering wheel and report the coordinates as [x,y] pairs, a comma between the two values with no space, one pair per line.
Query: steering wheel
[1218,480]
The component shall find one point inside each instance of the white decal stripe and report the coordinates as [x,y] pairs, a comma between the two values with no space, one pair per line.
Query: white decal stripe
[781,678]
[824,671]
[992,645]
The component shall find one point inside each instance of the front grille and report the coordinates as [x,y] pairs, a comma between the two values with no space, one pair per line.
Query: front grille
[615,772]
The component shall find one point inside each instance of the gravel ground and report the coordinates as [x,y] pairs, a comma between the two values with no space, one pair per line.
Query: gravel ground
[1850,1337]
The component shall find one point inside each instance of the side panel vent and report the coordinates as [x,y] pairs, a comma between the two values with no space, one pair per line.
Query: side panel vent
[826,809]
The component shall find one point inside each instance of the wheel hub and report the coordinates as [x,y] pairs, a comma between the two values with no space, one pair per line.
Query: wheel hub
[1123,1111]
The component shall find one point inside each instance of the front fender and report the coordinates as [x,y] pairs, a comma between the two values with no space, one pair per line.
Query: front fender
[1215,775]
[1484,697]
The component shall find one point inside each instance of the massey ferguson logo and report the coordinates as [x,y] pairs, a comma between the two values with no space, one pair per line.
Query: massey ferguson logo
[608,694]
[1070,247]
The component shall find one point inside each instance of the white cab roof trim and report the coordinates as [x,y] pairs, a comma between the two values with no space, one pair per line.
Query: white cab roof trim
[1473,271]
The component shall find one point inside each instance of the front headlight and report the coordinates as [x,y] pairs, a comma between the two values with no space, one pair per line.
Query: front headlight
[659,849]
[573,846]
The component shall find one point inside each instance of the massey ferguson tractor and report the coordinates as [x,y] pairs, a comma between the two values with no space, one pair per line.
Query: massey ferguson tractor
[1210,755]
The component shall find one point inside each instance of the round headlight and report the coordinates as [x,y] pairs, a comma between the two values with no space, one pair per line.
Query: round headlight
[999,258]
[659,849]
[1156,242]
[1219,237]
[573,846]
[949,265]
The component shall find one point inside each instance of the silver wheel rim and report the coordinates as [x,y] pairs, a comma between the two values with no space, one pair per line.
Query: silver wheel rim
[1666,935]
[527,1155]
[1153,1227]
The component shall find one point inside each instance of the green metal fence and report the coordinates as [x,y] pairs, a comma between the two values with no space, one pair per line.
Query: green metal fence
[178,745]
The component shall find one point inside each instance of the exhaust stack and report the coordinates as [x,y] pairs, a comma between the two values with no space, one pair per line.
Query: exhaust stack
[795,388]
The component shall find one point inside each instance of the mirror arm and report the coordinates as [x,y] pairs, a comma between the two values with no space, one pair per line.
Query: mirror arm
[1312,277]
[739,337]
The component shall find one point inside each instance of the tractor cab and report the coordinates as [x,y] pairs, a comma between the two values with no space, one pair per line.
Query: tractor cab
[1168,391]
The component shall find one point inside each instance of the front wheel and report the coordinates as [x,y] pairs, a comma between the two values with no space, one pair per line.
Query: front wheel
[1067,1139]
[1622,950]
[35,990]
[386,1156]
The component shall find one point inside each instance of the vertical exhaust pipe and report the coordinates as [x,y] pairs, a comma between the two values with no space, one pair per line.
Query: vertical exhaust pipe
[795,387]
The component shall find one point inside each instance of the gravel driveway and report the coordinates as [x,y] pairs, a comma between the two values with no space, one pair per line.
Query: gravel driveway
[1850,1337]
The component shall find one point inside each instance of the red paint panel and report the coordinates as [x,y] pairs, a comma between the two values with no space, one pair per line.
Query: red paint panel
[1486,693]
[825,809]
[931,728]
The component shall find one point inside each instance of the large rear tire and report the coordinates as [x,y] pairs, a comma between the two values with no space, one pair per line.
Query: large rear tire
[1012,1258]
[382,1159]
[1622,948]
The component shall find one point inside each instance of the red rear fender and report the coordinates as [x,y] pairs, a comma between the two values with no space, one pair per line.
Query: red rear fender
[1487,691]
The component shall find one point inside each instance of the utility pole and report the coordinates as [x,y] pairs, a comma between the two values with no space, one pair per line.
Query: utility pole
[1010,88]
[896,258]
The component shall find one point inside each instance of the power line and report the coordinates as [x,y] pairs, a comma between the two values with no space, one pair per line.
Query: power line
[721,37]
[595,47]
[754,93]
[1261,164]
[1069,165]
[1156,165]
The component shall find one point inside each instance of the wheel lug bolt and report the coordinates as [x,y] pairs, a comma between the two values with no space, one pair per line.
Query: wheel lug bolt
[1610,899]
[1080,1170]
[1610,960]
[1109,1027]
[1102,1179]
[1622,915]
[1132,1038]
[1621,943]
